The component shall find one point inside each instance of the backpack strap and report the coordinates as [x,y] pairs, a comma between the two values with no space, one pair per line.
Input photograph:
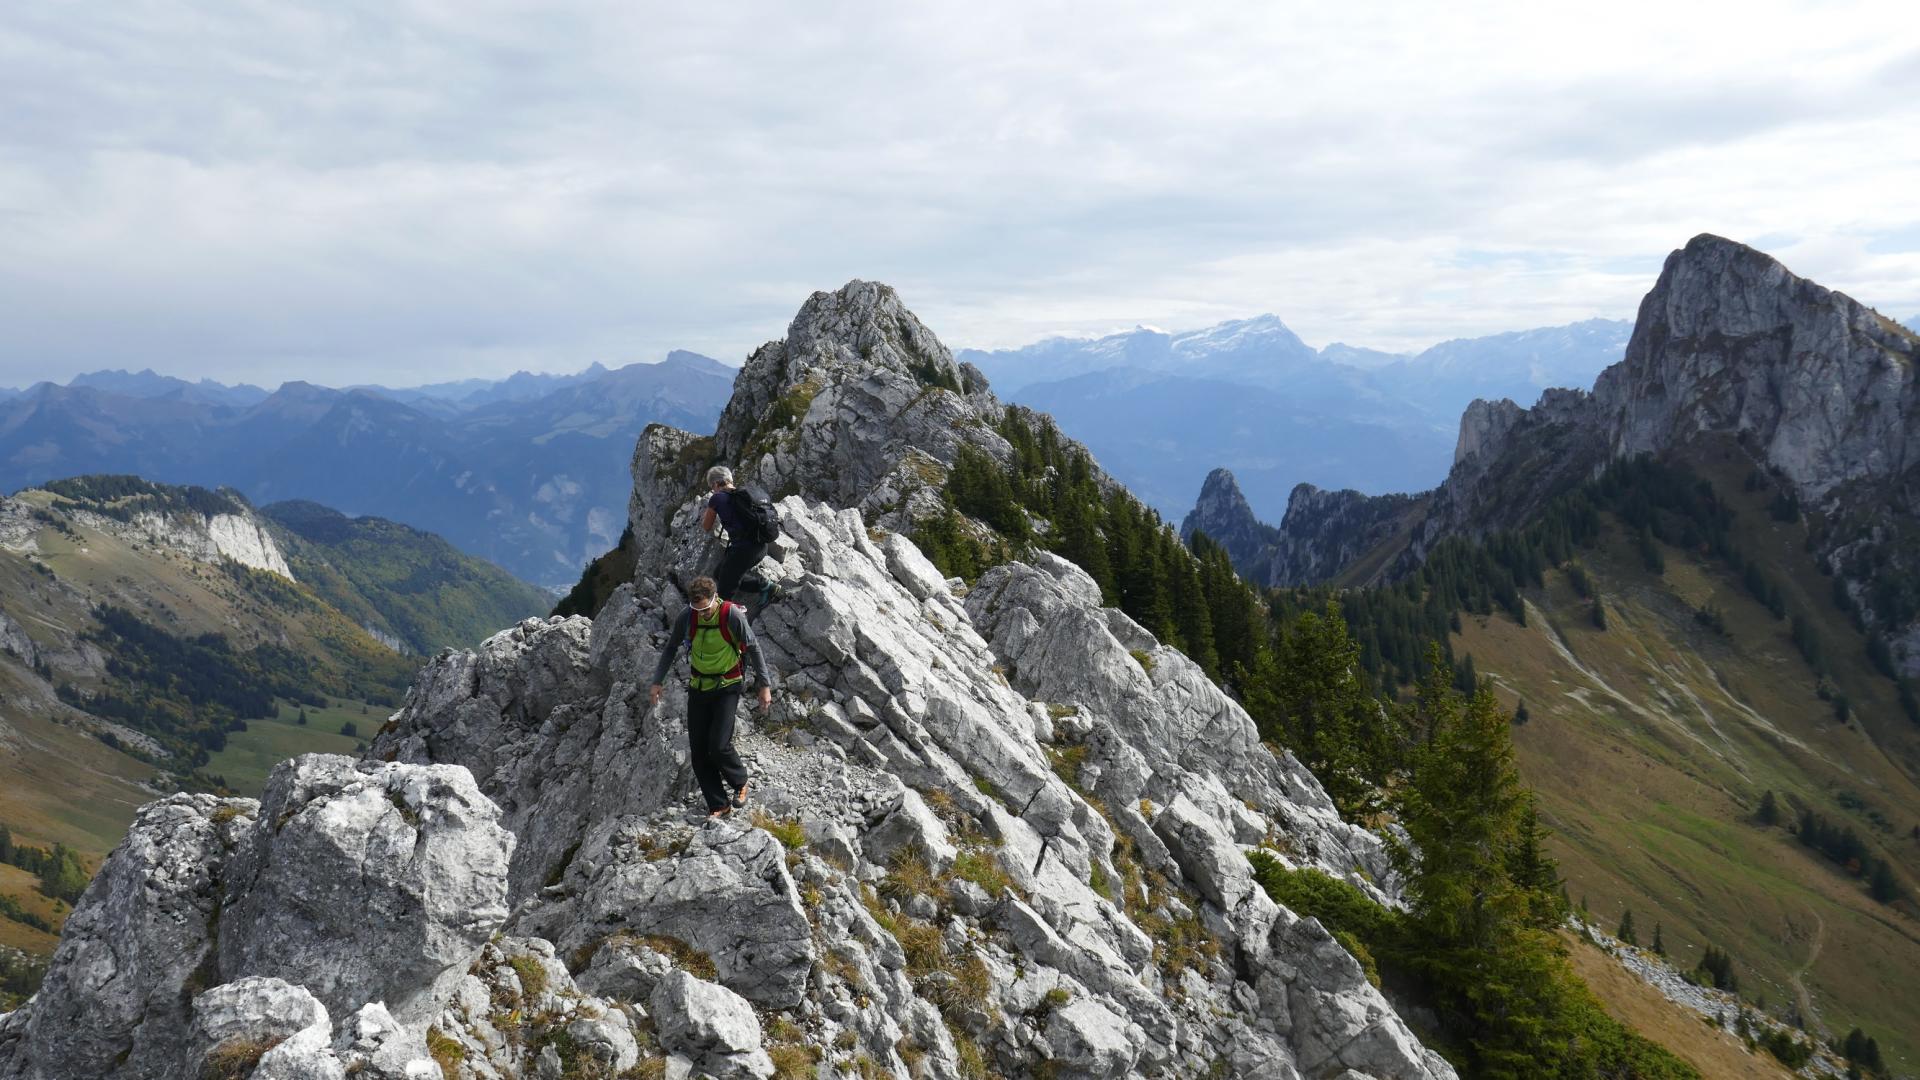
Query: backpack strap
[727,608]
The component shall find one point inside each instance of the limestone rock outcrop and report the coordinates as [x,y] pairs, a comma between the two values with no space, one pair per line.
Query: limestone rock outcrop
[999,827]
[227,920]
[1730,348]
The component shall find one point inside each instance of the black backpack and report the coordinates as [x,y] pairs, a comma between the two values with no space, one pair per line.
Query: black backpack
[756,511]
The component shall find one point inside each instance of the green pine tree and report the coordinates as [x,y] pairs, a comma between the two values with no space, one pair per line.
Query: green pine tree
[1626,932]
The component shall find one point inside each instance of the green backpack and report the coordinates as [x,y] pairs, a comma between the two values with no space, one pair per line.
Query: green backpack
[711,650]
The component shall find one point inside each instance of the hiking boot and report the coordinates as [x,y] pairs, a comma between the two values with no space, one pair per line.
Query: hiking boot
[740,797]
[770,592]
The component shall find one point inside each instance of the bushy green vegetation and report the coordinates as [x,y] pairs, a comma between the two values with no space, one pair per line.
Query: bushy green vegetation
[190,692]
[410,584]
[1475,945]
[62,875]
[20,977]
[123,497]
[1191,600]
[599,579]
[1845,849]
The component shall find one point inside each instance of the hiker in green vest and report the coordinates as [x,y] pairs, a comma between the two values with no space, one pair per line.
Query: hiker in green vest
[719,639]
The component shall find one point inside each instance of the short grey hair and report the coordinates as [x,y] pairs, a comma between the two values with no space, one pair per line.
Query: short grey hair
[718,475]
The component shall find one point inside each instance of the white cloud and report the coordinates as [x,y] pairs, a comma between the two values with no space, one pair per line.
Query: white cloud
[414,191]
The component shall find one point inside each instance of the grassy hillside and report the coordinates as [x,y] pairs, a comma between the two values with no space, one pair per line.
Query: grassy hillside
[408,586]
[146,671]
[1652,740]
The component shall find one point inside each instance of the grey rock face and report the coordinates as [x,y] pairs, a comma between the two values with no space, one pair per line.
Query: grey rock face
[1731,348]
[712,1026]
[1322,533]
[245,1019]
[860,406]
[967,807]
[349,883]
[727,894]
[1326,532]
[114,1003]
[1222,513]
[14,639]
[367,882]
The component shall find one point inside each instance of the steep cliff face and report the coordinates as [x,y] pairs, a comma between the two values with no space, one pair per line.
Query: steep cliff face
[1322,535]
[1729,344]
[1223,515]
[241,536]
[1325,534]
[1001,827]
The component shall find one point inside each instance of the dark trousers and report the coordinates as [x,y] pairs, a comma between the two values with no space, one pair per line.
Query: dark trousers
[732,575]
[710,743]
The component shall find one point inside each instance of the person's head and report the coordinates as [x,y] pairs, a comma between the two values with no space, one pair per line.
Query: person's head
[719,477]
[700,593]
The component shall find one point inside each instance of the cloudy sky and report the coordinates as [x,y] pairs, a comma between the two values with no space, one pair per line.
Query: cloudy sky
[411,190]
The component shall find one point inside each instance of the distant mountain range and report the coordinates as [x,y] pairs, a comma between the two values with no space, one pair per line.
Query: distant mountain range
[1161,410]
[529,472]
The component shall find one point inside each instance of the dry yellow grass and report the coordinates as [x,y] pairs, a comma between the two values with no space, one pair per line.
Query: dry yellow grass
[1718,1055]
[1651,741]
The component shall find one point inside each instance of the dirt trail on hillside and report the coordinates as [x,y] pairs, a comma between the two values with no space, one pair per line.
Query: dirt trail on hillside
[1802,999]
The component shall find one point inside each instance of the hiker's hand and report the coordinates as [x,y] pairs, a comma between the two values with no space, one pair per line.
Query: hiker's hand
[653,695]
[766,699]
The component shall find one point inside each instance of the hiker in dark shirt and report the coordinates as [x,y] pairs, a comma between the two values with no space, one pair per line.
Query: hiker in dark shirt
[744,552]
[719,639]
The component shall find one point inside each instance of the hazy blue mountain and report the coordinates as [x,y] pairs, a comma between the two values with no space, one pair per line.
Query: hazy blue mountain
[149,384]
[1516,365]
[408,585]
[1243,349]
[537,484]
[1162,434]
[1255,397]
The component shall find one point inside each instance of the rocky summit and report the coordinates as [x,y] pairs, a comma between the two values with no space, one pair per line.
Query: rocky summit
[1814,388]
[1322,534]
[995,830]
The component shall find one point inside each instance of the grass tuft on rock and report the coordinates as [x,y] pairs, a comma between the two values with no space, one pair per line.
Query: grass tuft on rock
[235,1059]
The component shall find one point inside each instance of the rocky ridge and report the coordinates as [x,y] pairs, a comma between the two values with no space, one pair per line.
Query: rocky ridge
[1000,828]
[1729,344]
[1322,535]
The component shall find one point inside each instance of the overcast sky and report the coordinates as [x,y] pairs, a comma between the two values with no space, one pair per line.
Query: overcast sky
[405,191]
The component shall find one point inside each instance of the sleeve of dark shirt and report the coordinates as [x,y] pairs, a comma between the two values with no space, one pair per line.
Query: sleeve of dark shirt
[749,645]
[676,637]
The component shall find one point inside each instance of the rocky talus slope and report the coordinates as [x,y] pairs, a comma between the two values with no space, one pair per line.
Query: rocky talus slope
[1000,829]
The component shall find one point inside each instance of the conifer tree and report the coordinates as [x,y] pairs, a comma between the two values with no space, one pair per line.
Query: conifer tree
[1626,932]
[1881,885]
[1461,805]
[1534,871]
[1659,946]
[1769,812]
